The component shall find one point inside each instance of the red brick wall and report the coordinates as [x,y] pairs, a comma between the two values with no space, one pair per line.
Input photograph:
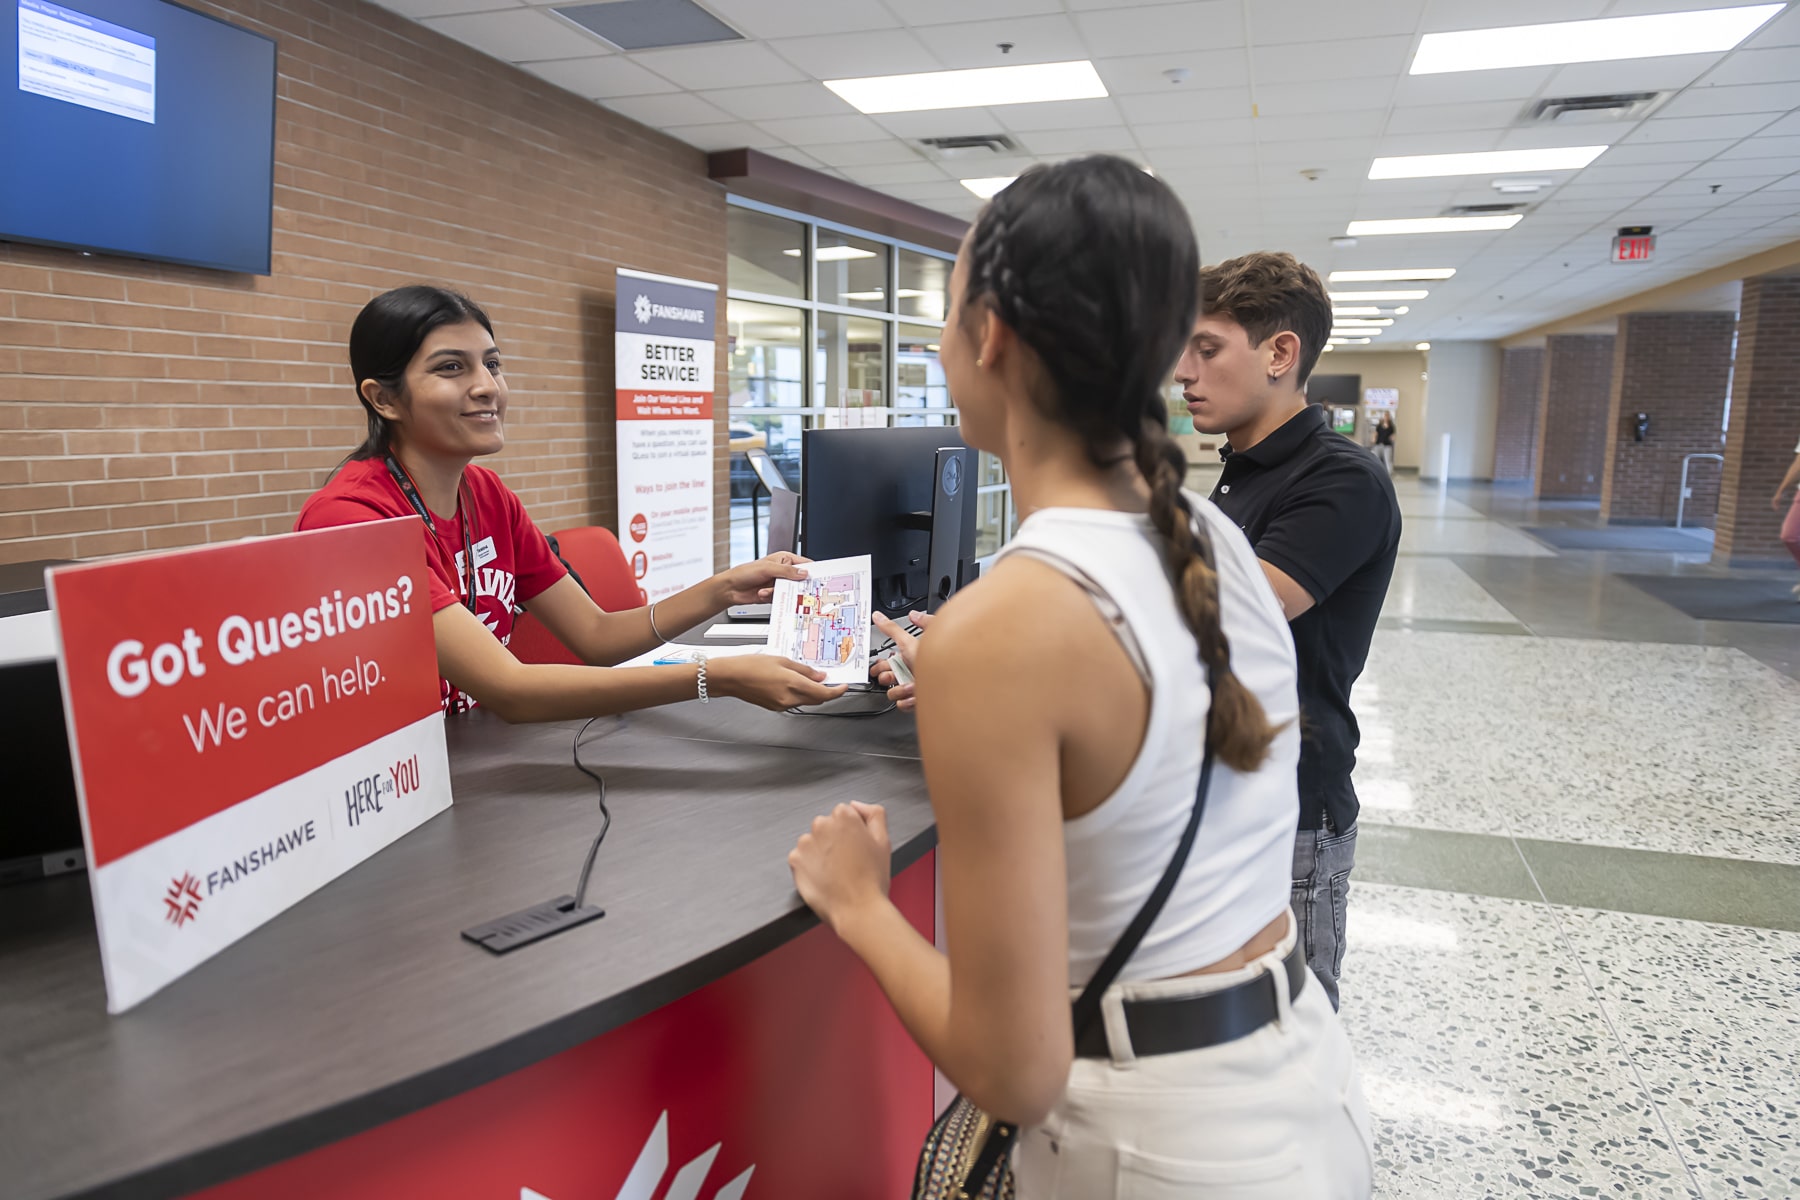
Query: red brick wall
[1674,367]
[1571,451]
[146,406]
[1515,428]
[1765,419]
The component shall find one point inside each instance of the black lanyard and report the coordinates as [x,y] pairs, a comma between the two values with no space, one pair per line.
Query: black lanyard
[404,482]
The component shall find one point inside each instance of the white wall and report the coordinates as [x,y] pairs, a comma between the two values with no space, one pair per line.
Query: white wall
[1402,370]
[1462,399]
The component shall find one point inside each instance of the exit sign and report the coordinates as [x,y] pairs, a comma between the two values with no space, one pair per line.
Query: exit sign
[1635,243]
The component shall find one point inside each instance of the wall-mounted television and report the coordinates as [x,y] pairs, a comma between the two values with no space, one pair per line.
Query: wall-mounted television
[139,128]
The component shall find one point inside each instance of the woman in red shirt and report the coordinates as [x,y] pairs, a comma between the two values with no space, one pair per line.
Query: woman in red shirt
[428,374]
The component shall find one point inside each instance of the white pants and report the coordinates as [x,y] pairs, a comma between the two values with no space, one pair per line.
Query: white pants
[1386,455]
[1277,1115]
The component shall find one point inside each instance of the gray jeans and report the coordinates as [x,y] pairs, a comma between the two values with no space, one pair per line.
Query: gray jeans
[1322,862]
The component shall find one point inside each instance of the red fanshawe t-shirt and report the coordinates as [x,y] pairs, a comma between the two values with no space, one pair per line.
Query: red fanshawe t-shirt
[513,562]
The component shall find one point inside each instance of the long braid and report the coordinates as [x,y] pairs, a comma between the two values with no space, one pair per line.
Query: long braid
[1237,727]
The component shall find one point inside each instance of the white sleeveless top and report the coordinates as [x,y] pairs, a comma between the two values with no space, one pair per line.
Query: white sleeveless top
[1237,879]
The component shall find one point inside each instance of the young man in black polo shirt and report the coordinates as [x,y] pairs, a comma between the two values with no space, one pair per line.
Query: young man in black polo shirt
[1321,512]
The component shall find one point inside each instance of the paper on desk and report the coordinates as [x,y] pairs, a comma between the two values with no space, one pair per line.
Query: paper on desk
[823,620]
[740,629]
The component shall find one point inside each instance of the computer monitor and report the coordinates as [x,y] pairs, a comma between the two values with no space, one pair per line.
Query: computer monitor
[871,491]
[40,821]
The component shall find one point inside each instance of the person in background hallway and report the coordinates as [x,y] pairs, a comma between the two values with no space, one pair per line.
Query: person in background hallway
[1064,760]
[1384,442]
[1790,527]
[428,375]
[1323,518]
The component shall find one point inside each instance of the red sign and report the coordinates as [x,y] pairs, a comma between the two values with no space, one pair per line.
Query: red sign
[1635,248]
[791,1077]
[248,721]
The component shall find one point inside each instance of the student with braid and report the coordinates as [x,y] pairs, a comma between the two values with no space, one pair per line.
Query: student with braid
[1065,704]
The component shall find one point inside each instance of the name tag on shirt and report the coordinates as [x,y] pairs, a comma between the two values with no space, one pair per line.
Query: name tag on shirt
[485,552]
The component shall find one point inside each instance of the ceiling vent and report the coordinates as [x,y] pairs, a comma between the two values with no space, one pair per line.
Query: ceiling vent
[1484,210]
[1591,110]
[981,145]
[651,24]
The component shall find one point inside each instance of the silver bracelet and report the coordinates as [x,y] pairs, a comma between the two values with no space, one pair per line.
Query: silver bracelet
[703,696]
[655,632]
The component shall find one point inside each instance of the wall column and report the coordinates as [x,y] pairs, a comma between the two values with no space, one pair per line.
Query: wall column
[1675,368]
[1765,420]
[1571,450]
[1516,422]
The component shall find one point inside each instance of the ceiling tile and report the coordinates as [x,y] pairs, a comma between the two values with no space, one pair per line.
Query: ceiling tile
[1533,137]
[732,135]
[1694,129]
[1734,172]
[519,35]
[801,130]
[797,157]
[1163,29]
[1144,73]
[977,44]
[676,108]
[1439,143]
[849,56]
[1764,145]
[1709,101]
[1449,118]
[1058,114]
[602,78]
[1759,66]
[885,151]
[1114,139]
[938,12]
[1353,58]
[1171,158]
[1787,126]
[1447,16]
[1223,131]
[444,8]
[1364,123]
[1606,172]
[1199,106]
[732,64]
[1630,75]
[1784,30]
[1518,84]
[882,175]
[795,18]
[1285,22]
[949,122]
[1663,152]
[779,101]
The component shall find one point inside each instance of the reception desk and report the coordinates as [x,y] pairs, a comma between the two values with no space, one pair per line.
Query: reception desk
[706,1038]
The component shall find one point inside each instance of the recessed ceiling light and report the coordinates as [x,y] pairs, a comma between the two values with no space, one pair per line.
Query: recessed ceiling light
[1418,295]
[1423,346]
[835,253]
[1430,166]
[1433,225]
[1604,40]
[973,88]
[1381,276]
[1402,311]
[990,187]
[1520,187]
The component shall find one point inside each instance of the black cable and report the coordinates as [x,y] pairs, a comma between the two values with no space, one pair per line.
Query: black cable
[605,815]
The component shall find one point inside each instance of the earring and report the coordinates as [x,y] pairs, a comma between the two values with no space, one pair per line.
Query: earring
[1271,381]
[980,363]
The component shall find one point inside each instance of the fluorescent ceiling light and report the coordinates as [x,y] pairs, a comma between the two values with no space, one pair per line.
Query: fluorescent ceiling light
[1383,276]
[1432,225]
[990,187]
[1346,341]
[1604,40]
[835,253]
[1486,162]
[1355,332]
[877,294]
[1423,346]
[1418,295]
[1336,320]
[1366,311]
[1402,311]
[972,89]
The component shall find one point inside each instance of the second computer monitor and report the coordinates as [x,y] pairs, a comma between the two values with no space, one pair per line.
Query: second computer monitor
[870,491]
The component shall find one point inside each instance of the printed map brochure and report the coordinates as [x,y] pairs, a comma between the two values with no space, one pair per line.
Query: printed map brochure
[823,620]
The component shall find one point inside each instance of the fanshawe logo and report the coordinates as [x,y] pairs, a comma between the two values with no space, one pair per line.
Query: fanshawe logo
[643,308]
[645,1180]
[181,903]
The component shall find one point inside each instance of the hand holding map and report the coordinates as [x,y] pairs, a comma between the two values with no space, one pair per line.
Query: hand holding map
[823,620]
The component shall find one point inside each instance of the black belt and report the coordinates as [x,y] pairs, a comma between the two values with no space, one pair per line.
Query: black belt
[1196,1022]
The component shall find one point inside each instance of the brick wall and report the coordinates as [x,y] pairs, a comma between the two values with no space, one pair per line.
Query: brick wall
[1515,429]
[1765,419]
[1571,451]
[146,406]
[1674,367]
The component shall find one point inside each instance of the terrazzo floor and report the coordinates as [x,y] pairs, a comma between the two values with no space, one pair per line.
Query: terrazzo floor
[1516,1047]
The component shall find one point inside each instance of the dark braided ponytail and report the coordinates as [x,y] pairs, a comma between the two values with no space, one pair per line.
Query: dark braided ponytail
[1093,264]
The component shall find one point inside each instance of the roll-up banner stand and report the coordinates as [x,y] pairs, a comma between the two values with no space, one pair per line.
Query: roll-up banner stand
[248,722]
[664,388]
